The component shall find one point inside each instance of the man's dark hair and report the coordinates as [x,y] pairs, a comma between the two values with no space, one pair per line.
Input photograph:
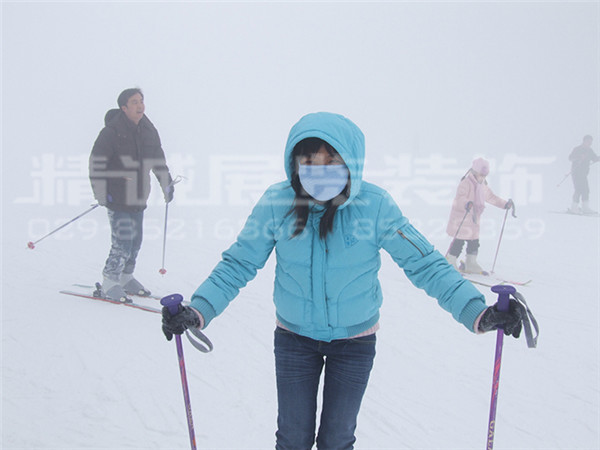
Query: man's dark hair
[127,94]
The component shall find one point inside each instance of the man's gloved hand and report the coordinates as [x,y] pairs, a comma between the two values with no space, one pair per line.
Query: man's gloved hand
[105,201]
[168,193]
[509,204]
[468,206]
[511,321]
[178,323]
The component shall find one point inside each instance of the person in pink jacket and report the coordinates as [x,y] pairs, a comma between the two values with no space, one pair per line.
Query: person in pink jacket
[469,203]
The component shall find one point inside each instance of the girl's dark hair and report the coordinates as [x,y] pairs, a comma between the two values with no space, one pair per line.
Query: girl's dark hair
[300,208]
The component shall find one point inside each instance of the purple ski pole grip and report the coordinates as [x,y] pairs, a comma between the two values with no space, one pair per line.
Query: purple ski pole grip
[504,292]
[172,302]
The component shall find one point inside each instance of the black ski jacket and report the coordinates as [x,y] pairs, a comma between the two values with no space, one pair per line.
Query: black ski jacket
[121,160]
[581,157]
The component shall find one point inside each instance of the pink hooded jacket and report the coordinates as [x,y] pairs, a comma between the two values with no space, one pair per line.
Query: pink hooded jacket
[468,191]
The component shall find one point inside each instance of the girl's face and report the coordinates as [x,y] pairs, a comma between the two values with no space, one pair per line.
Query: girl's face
[322,174]
[480,178]
[320,158]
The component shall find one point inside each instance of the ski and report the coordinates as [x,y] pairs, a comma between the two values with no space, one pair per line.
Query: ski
[88,286]
[486,278]
[581,214]
[151,296]
[517,283]
[481,283]
[116,302]
[492,280]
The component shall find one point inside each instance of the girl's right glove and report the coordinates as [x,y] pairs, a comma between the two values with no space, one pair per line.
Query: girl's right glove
[511,321]
[178,323]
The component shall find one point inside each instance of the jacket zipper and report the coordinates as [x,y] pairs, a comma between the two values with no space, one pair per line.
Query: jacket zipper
[322,249]
[323,274]
[411,242]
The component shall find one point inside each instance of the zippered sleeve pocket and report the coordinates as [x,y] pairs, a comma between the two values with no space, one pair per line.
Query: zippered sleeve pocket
[408,245]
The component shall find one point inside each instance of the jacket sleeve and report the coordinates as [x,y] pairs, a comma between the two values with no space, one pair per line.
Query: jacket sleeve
[425,267]
[575,155]
[239,264]
[159,163]
[98,163]
[464,194]
[164,179]
[493,199]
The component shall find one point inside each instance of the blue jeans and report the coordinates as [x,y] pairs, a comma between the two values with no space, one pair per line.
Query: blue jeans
[126,240]
[299,362]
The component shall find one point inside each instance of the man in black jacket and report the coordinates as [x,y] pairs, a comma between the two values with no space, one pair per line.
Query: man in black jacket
[125,152]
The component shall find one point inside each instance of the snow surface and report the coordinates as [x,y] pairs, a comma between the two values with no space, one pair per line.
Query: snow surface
[85,374]
[229,80]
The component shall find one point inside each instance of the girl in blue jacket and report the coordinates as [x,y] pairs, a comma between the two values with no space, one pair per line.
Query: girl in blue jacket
[327,227]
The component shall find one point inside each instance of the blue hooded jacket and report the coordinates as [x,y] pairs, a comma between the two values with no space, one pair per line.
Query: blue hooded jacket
[328,289]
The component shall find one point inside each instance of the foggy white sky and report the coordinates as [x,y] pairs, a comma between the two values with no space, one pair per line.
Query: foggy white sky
[456,77]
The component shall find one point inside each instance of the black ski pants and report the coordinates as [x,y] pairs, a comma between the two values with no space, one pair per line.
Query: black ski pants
[457,246]
[582,187]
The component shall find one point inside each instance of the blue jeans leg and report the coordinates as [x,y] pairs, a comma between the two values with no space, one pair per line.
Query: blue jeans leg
[299,362]
[347,368]
[298,369]
[126,240]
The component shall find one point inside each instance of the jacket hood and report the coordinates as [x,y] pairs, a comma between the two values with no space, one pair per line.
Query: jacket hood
[116,118]
[110,115]
[339,132]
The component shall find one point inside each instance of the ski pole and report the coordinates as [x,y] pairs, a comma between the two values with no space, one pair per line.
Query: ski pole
[172,303]
[501,234]
[564,179]
[457,230]
[504,291]
[31,244]
[567,175]
[162,269]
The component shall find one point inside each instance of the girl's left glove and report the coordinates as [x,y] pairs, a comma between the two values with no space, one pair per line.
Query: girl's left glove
[178,323]
[511,321]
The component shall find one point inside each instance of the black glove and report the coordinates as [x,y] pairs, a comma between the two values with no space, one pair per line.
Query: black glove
[468,206]
[178,323]
[105,200]
[511,321]
[168,193]
[509,204]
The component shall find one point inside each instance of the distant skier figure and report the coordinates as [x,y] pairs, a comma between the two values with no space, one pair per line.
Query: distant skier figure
[464,223]
[581,158]
[126,149]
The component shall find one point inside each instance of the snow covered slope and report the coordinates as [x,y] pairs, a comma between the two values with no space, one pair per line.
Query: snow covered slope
[84,374]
